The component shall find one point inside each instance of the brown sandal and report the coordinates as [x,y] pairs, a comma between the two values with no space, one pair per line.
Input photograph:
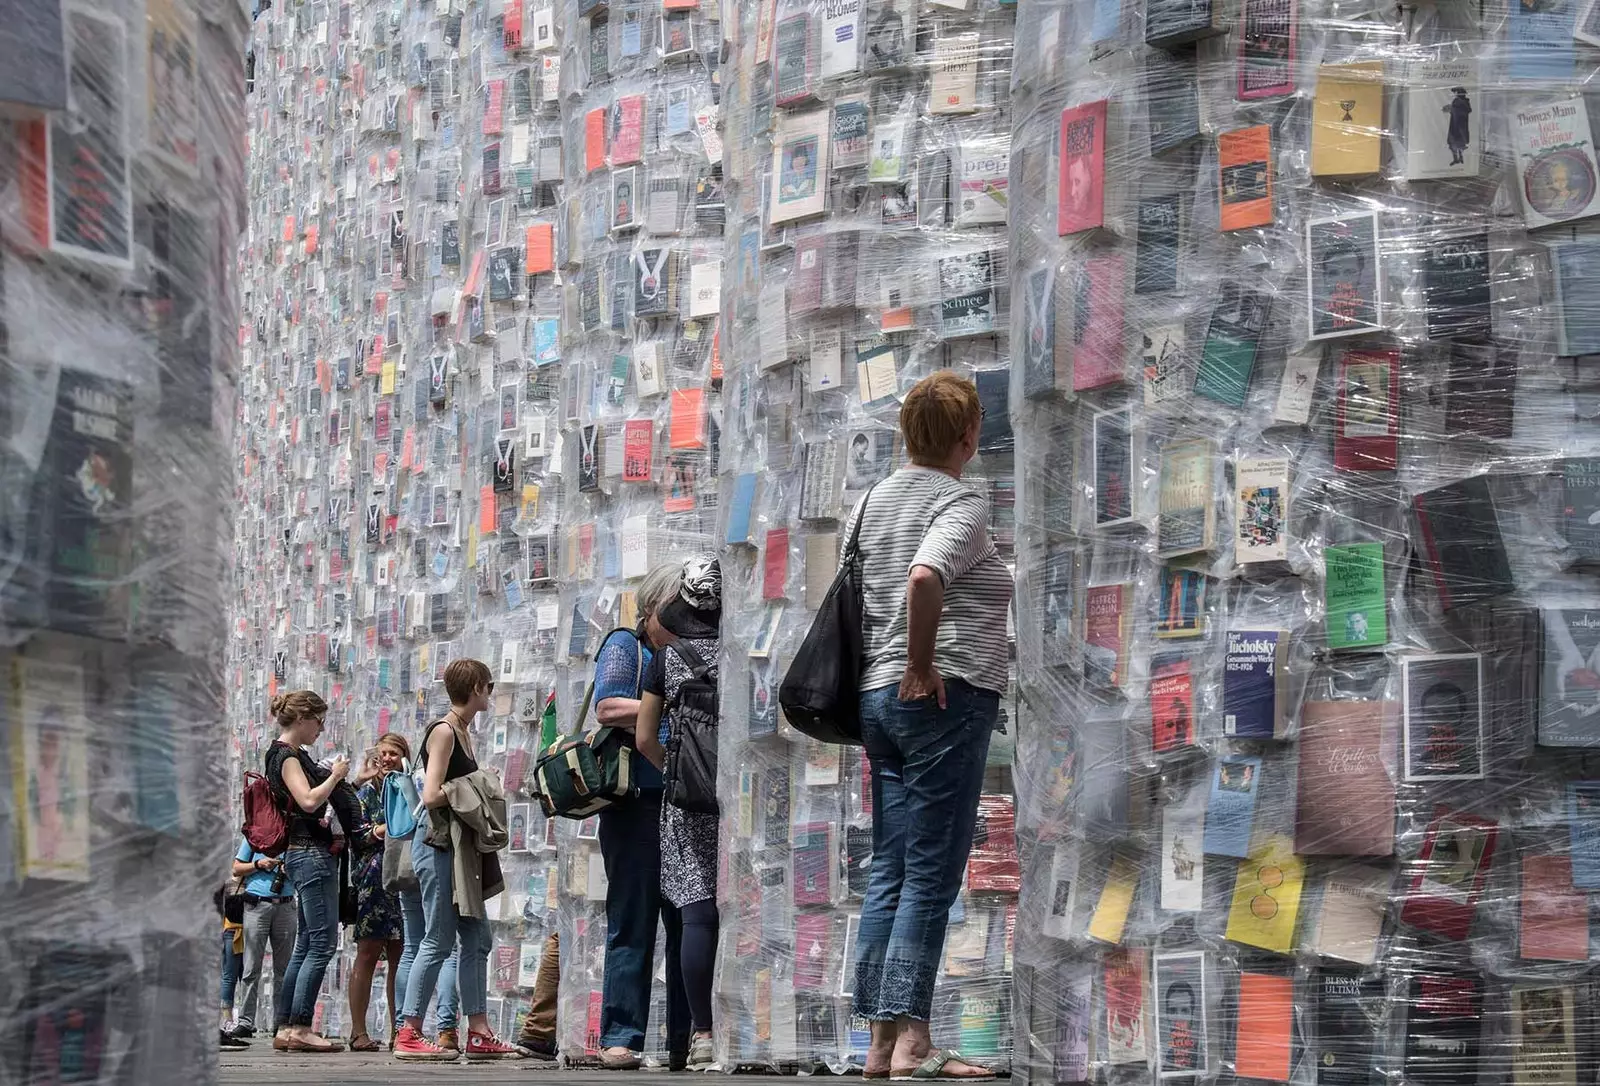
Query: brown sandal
[300,1046]
[363,1042]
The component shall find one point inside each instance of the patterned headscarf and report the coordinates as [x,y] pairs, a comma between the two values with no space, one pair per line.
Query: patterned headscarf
[702,583]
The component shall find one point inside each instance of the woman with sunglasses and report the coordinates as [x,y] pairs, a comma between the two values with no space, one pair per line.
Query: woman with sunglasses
[308,860]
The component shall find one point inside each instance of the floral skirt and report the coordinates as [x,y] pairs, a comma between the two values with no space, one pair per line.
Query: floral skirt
[377,911]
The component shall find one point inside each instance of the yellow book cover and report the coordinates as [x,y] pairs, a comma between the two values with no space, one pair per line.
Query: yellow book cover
[1111,912]
[1266,897]
[1347,119]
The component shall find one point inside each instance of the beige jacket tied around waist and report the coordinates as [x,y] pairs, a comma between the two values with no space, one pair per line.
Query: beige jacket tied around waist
[472,825]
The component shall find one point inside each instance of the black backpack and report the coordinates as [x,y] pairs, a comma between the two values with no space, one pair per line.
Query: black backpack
[691,770]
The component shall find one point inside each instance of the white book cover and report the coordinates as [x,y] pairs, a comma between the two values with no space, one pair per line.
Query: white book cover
[827,359]
[983,196]
[1299,382]
[841,38]
[1063,892]
[1555,162]
[1261,504]
[1182,859]
[1443,119]
[800,166]
[773,320]
[647,368]
[954,84]
[635,546]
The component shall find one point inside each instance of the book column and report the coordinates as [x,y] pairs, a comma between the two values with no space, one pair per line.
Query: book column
[868,147]
[1307,463]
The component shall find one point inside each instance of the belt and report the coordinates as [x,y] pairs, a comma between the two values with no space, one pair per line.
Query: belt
[252,899]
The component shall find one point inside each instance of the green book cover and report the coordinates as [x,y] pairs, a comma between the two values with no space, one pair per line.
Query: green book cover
[1358,616]
[1225,367]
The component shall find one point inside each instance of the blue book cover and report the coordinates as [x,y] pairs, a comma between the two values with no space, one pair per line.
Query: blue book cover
[1583,821]
[1540,41]
[1251,682]
[744,496]
[1231,806]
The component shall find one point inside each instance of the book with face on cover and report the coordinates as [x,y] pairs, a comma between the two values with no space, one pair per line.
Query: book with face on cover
[1346,797]
[1244,164]
[1179,983]
[1444,717]
[1347,120]
[1443,137]
[1344,278]
[1556,170]
[1266,49]
[1354,597]
[1080,203]
[1451,869]
[1569,676]
[1544,1035]
[800,166]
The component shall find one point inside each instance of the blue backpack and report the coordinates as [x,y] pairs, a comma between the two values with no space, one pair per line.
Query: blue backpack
[401,804]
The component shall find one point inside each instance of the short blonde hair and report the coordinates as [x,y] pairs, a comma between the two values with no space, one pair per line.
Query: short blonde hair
[937,413]
[463,677]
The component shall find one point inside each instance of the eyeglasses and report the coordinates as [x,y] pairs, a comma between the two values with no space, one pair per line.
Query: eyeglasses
[491,688]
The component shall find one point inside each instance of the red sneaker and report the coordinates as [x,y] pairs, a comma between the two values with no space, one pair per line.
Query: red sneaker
[486,1046]
[409,1044]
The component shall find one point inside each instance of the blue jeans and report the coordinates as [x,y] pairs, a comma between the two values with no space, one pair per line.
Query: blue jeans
[630,845]
[927,772]
[314,874]
[232,966]
[415,927]
[443,927]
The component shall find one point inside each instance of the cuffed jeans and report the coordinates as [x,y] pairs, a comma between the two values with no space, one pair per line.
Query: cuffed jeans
[927,772]
[230,969]
[630,845]
[314,874]
[443,927]
[416,927]
[264,922]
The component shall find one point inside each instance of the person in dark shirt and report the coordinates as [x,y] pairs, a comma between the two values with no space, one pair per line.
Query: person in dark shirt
[305,788]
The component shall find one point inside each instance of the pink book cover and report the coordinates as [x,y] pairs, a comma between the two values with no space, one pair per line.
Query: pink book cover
[1097,357]
[1346,795]
[1081,196]
[811,951]
[627,145]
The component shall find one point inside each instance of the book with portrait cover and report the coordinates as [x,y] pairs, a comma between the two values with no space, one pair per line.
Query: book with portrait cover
[1254,684]
[1569,677]
[1461,543]
[1443,1029]
[1345,799]
[1179,983]
[1261,504]
[1171,702]
[1244,181]
[1580,506]
[1576,268]
[1347,119]
[1080,201]
[1450,871]
[1558,179]
[1443,138]
[1155,264]
[1344,276]
[800,166]
[1095,316]
[1188,512]
[1545,1033]
[1455,287]
[1266,49]
[1233,339]
[1366,411]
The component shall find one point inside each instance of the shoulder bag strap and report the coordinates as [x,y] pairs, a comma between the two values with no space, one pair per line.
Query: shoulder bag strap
[852,547]
[696,662]
[583,710]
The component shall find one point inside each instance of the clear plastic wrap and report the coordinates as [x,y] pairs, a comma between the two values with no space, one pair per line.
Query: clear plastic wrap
[1305,429]
[121,194]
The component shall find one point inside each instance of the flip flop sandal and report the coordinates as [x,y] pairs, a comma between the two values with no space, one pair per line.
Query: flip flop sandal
[363,1042]
[301,1046]
[932,1069]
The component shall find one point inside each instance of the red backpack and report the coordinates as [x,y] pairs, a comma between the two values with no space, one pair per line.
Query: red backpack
[266,824]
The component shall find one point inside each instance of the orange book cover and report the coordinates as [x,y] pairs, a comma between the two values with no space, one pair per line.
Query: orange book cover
[486,508]
[474,283]
[688,427]
[1266,1009]
[541,249]
[1244,161]
[594,140]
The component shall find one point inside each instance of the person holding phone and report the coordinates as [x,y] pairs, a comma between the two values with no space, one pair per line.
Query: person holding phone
[270,916]
[306,789]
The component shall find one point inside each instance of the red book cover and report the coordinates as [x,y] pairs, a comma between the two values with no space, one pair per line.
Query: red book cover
[1366,417]
[494,107]
[1106,628]
[594,139]
[505,968]
[811,951]
[1451,869]
[688,422]
[512,34]
[992,865]
[1097,358]
[776,571]
[540,253]
[638,443]
[1125,1012]
[516,770]
[628,146]
[1081,199]
[1171,704]
[591,1029]
[1346,793]
[1555,915]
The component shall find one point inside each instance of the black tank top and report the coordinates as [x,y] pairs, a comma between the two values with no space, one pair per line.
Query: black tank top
[461,763]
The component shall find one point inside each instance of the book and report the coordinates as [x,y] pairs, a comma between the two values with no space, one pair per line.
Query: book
[1444,725]
[1113,467]
[1107,612]
[982,195]
[1346,798]
[792,59]
[1172,99]
[820,481]
[1580,506]
[1455,287]
[967,299]
[1558,179]
[1179,984]
[1344,276]
[1366,411]
[638,442]
[1555,913]
[1231,805]
[849,140]
[1583,829]
[1347,120]
[1122,981]
[1266,897]
[800,166]
[1539,40]
[891,32]
[1041,372]
[1354,596]
[1355,898]
[1443,1029]
[1155,265]
[841,38]
[1110,915]
[1575,266]
[1182,859]
[994,431]
[1063,893]
[1451,869]
[1544,1035]
[1349,1007]
[1058,641]
[1233,338]
[1161,359]
[1177,22]
[1569,677]
[1244,177]
[1442,139]
[1080,202]
[1264,1033]
[1461,543]
[1266,49]
[1261,504]
[1095,319]
[953,72]
[1181,604]
[1172,712]
[1187,510]
[814,853]
[1254,684]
